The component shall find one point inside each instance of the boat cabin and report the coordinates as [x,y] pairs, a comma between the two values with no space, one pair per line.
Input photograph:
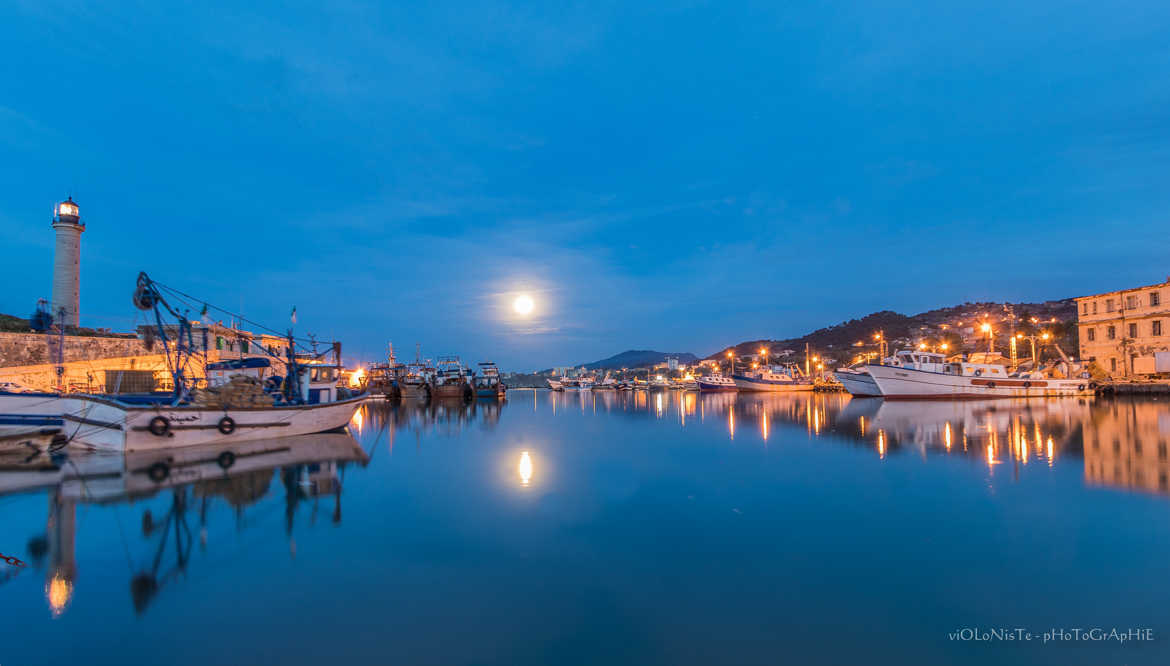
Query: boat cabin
[319,382]
[488,377]
[221,372]
[920,360]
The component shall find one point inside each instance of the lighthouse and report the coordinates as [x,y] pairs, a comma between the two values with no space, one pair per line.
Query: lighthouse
[67,263]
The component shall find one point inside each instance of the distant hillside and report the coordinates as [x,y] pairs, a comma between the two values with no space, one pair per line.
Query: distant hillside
[899,329]
[637,358]
[13,324]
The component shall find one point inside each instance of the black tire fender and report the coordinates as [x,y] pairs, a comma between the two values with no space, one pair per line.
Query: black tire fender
[978,372]
[990,385]
[1080,387]
[159,426]
[1027,384]
[226,425]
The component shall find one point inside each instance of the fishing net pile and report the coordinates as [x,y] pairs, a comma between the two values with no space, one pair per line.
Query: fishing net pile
[240,391]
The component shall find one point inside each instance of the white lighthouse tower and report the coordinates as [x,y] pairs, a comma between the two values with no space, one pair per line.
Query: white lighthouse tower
[67,263]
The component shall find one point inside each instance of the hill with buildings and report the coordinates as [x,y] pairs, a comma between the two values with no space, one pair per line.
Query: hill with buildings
[638,358]
[958,326]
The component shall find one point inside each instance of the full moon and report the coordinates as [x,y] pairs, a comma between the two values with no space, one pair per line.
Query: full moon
[523,304]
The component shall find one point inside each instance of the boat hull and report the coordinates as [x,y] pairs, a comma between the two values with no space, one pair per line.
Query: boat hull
[103,424]
[716,387]
[905,383]
[859,384]
[450,391]
[413,391]
[29,413]
[764,385]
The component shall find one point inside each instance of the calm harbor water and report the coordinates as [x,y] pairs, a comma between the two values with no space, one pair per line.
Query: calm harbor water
[662,528]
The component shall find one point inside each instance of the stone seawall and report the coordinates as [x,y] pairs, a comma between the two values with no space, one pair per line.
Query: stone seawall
[23,349]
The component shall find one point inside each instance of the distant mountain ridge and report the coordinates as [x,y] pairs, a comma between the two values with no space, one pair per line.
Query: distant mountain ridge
[637,358]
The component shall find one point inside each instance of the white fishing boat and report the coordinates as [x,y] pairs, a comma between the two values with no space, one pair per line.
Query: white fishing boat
[554,383]
[716,382]
[857,381]
[928,375]
[142,423]
[773,379]
[241,408]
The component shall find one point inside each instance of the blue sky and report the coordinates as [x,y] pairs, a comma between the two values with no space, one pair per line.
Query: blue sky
[675,176]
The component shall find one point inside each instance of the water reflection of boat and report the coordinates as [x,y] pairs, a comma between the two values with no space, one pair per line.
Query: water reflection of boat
[310,467]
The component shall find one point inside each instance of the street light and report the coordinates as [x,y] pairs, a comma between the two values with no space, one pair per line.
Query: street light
[1032,338]
[986,328]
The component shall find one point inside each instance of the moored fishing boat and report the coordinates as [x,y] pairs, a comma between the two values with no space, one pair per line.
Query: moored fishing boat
[773,379]
[607,383]
[488,383]
[451,379]
[554,383]
[716,382]
[857,381]
[415,382]
[925,375]
[241,408]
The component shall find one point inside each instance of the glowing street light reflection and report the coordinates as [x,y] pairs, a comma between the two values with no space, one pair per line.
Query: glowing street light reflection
[59,592]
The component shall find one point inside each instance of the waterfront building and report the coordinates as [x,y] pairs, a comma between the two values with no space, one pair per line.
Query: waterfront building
[1123,330]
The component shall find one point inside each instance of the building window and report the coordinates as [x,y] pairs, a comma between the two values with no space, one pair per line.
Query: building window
[1156,327]
[1161,450]
[1133,330]
[1094,307]
[1131,301]
[1091,334]
[1109,305]
[1155,299]
[1084,308]
[219,342]
[1112,365]
[1111,332]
